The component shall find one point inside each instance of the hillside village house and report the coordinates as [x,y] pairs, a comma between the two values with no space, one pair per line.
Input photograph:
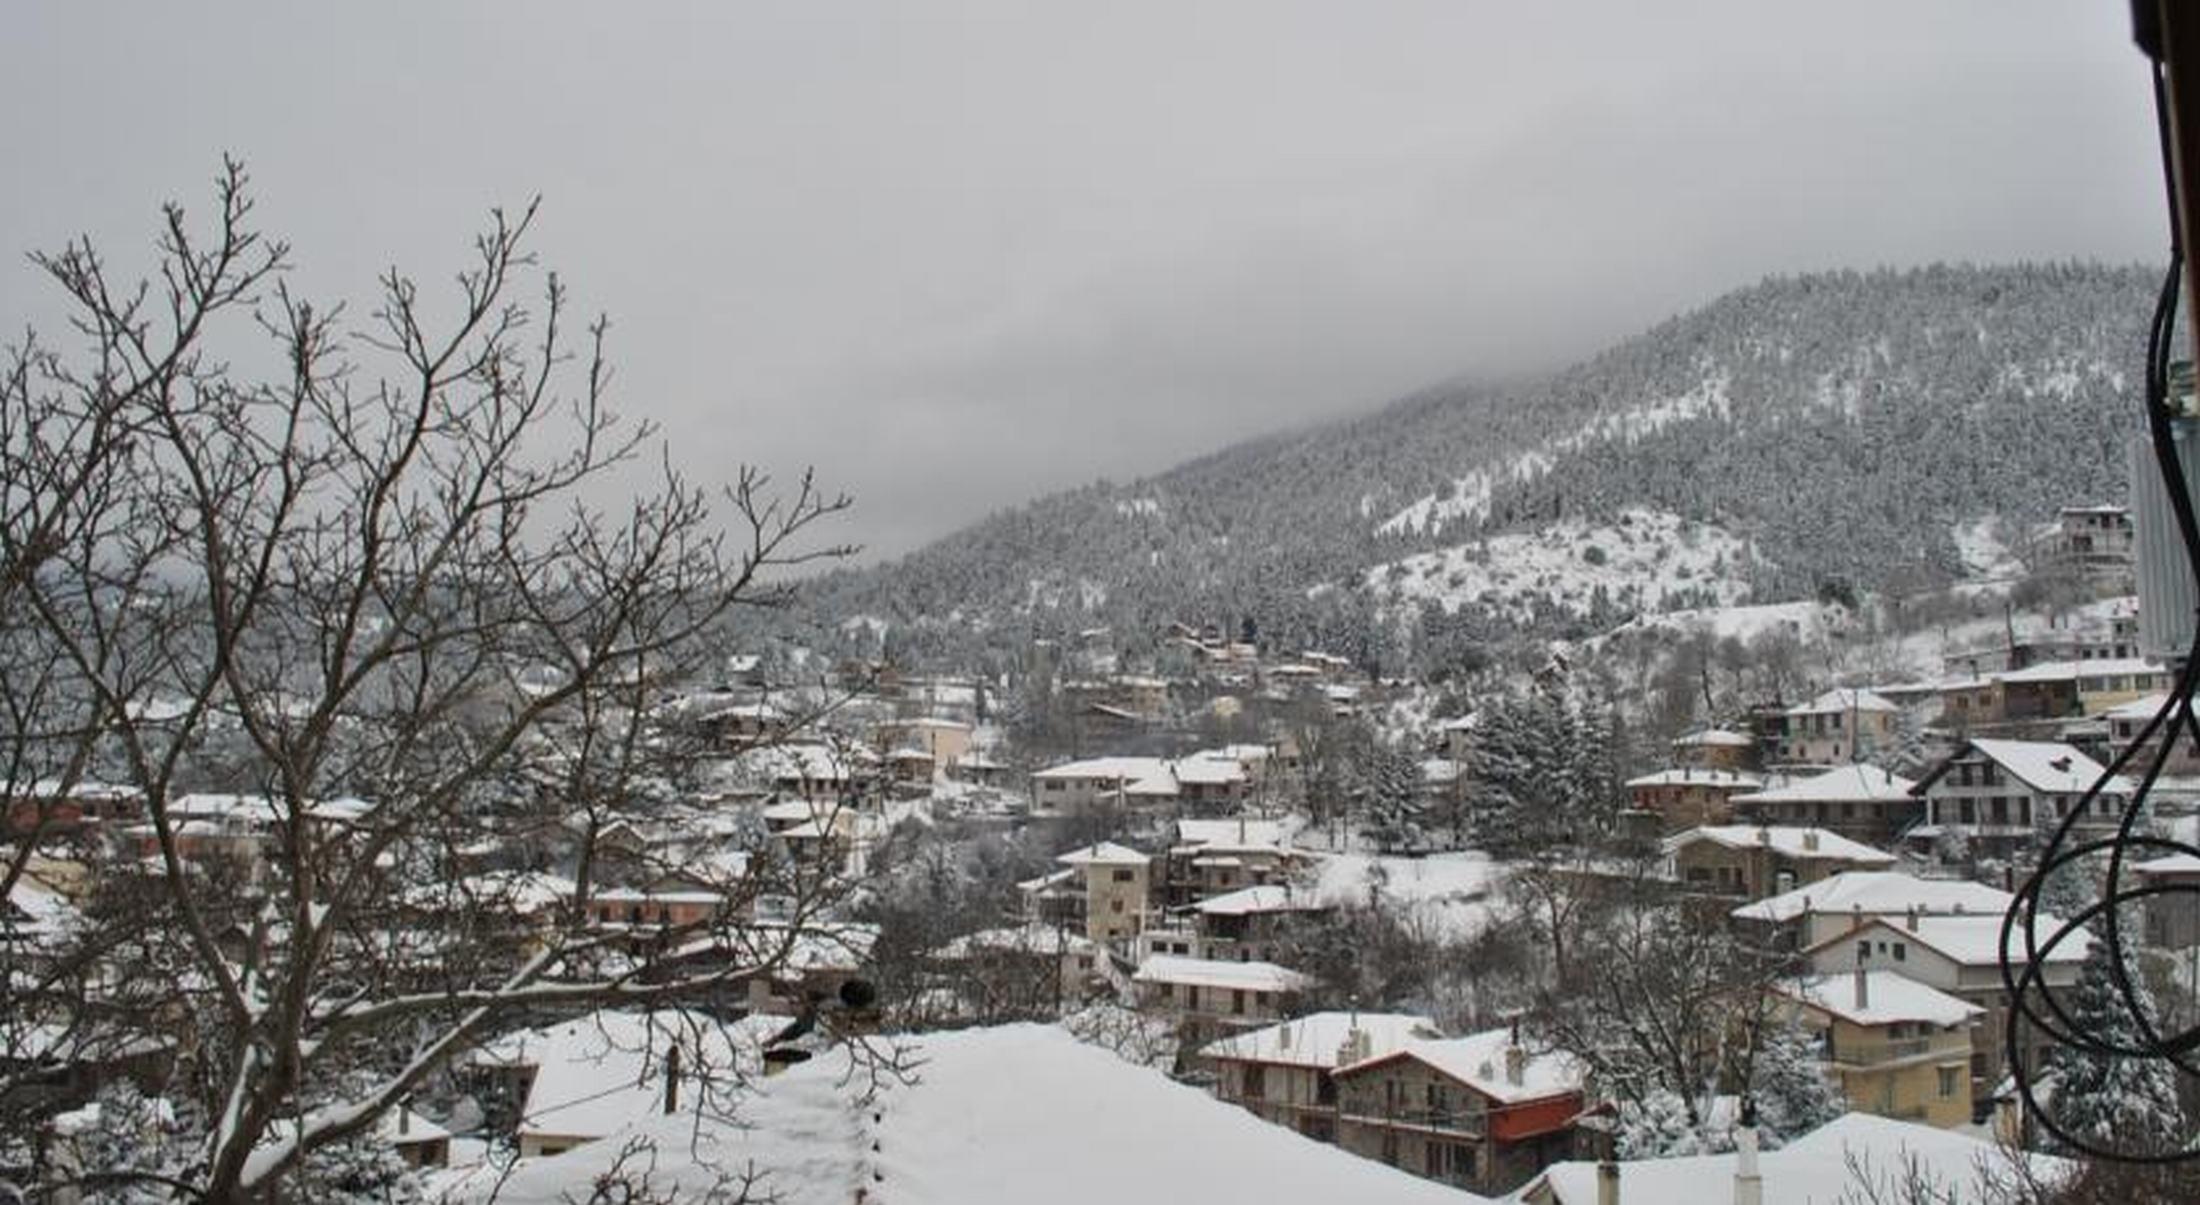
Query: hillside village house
[1214,857]
[1899,1048]
[1244,925]
[1478,1112]
[1210,998]
[1118,884]
[2068,688]
[2172,917]
[2093,543]
[1839,726]
[2128,720]
[1955,954]
[1754,861]
[1285,1073]
[1081,785]
[1861,802]
[946,741]
[1689,796]
[1715,749]
[64,808]
[2001,794]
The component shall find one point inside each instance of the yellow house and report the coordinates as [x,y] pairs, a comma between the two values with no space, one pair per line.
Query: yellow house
[1901,1049]
[1118,888]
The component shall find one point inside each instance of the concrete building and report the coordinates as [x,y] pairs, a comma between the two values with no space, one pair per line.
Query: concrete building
[1478,1112]
[1118,884]
[1900,1048]
[1756,861]
[1285,1073]
[1839,726]
[1689,795]
[1861,802]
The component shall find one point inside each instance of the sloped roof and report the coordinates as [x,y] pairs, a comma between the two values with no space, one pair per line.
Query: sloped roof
[1697,776]
[1316,1040]
[1478,1060]
[1844,699]
[1789,841]
[2049,766]
[1213,972]
[1879,893]
[1970,940]
[1858,783]
[1104,853]
[1888,998]
[1269,897]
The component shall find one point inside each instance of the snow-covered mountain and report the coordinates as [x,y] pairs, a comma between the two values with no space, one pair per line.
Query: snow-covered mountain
[1846,430]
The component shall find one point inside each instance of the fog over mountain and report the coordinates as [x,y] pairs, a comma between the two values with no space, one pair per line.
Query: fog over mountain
[1832,431]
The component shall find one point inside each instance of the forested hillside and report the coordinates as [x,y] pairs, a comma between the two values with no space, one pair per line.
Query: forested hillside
[1823,432]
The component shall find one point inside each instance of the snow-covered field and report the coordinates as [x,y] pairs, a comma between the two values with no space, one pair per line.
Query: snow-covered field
[1452,895]
[1637,561]
[1006,1115]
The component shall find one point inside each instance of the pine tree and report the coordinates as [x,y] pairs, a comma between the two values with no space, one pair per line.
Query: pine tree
[1657,1127]
[1789,1084]
[2111,1101]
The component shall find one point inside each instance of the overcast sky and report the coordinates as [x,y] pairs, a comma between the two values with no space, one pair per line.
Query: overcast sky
[957,255]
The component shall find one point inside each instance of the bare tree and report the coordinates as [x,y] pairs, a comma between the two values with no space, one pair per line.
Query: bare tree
[355,572]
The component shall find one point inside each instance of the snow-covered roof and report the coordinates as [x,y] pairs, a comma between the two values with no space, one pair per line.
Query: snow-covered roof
[1684,776]
[1789,841]
[1843,700]
[1318,1039]
[1034,938]
[1879,893]
[1217,973]
[2049,766]
[597,1074]
[1888,998]
[1107,769]
[2139,709]
[2068,671]
[1970,940]
[1858,783]
[1269,897]
[1240,833]
[1203,771]
[1717,737]
[1822,1165]
[1479,1061]
[964,1132]
[2170,864]
[1104,853]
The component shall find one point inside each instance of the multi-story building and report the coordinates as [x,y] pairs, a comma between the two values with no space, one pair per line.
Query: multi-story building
[1839,726]
[1999,795]
[1286,1073]
[1210,998]
[1118,884]
[1479,1112]
[1689,795]
[1861,802]
[1755,861]
[1900,1048]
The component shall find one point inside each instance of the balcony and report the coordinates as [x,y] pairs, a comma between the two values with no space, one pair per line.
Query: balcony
[1865,1055]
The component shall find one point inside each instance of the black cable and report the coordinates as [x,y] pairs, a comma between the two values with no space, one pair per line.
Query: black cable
[2027,989]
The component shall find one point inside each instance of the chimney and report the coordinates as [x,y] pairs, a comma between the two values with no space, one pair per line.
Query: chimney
[1607,1182]
[1283,1037]
[672,1079]
[404,1121]
[1863,988]
[1749,1183]
[1912,921]
[1516,1065]
[1810,840]
[1764,835]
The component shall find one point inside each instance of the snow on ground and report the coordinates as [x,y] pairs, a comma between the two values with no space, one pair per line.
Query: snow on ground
[1985,554]
[1452,894]
[1469,496]
[1637,561]
[1008,1115]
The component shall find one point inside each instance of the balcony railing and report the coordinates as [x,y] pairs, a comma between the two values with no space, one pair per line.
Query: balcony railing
[1873,1054]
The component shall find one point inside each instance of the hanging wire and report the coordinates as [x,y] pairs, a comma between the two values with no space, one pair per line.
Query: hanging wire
[2032,1006]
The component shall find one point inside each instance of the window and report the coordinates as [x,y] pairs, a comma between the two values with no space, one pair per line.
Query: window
[1123,876]
[1115,906]
[1237,1000]
[1901,950]
[1948,1080]
[1863,951]
[1256,1081]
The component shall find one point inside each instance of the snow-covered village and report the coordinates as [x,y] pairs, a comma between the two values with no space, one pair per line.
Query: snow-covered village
[757,604]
